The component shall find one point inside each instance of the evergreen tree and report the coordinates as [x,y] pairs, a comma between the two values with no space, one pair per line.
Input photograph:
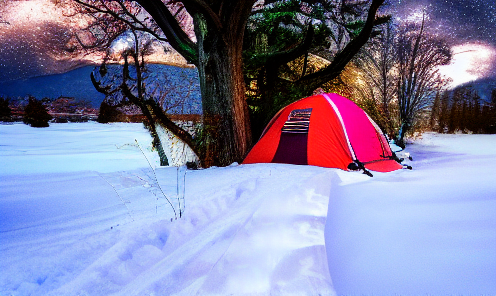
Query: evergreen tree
[487,119]
[470,114]
[294,47]
[476,112]
[108,113]
[492,114]
[444,113]
[463,117]
[435,111]
[36,114]
[453,118]
[5,111]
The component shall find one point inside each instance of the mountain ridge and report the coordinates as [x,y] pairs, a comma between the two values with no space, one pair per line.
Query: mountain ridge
[77,84]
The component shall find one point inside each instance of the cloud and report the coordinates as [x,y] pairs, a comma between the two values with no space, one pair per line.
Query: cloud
[471,61]
[33,38]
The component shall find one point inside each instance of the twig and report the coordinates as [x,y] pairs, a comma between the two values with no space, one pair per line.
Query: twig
[180,195]
[156,179]
[125,204]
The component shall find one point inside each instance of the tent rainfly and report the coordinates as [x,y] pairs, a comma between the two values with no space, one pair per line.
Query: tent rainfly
[325,130]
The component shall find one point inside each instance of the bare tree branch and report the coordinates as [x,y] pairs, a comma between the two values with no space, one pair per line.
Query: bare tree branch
[342,58]
[176,36]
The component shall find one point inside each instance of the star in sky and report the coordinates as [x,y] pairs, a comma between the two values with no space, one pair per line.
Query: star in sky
[20,56]
[462,20]
[33,35]
[468,25]
[33,31]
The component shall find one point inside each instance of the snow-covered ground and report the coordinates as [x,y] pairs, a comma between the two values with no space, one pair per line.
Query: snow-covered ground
[83,213]
[429,231]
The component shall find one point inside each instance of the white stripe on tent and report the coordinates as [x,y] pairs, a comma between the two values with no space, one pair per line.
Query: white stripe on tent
[378,129]
[342,124]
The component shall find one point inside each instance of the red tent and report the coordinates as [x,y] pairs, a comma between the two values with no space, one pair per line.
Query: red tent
[324,130]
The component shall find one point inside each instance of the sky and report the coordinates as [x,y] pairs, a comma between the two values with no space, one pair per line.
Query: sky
[470,28]
[464,20]
[32,34]
[33,31]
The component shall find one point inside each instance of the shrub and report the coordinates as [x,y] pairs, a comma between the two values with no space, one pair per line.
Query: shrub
[5,111]
[108,113]
[36,114]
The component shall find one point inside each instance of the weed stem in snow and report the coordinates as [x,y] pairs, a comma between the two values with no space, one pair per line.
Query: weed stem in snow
[156,179]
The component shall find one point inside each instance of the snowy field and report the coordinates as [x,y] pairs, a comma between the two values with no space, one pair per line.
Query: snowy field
[83,213]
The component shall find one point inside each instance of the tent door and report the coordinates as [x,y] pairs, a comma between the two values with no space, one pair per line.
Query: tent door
[293,143]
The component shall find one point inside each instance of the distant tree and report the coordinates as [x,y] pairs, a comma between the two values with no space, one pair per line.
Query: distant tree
[377,63]
[435,111]
[463,117]
[475,115]
[418,79]
[491,126]
[444,113]
[5,111]
[36,114]
[458,96]
[465,104]
[469,118]
[454,119]
[486,119]
[108,113]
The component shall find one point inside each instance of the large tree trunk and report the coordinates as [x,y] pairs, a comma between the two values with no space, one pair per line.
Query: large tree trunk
[217,54]
[227,135]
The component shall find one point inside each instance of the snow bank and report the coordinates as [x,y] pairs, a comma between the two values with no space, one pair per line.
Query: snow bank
[429,231]
[256,236]
[82,213]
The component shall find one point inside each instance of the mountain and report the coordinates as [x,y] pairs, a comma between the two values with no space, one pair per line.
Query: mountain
[484,87]
[75,83]
[175,81]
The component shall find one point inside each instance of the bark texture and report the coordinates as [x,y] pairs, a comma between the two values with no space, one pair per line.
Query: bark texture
[217,53]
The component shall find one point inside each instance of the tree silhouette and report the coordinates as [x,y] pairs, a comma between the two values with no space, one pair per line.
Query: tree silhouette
[5,111]
[396,78]
[108,113]
[418,79]
[36,114]
[376,70]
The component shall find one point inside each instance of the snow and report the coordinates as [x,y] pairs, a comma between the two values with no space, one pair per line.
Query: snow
[83,213]
[429,231]
[178,153]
